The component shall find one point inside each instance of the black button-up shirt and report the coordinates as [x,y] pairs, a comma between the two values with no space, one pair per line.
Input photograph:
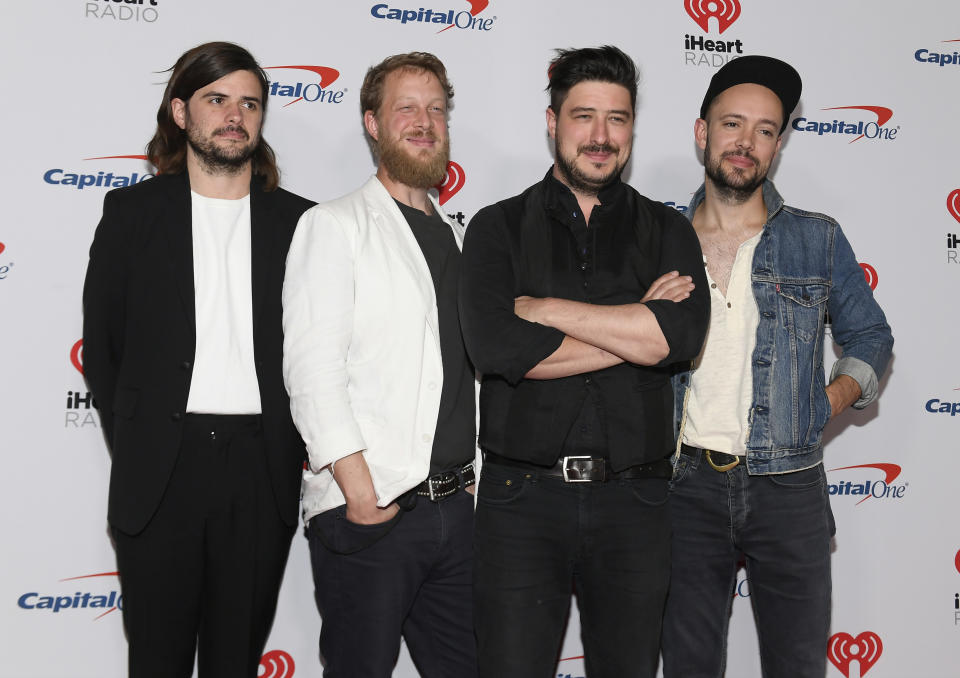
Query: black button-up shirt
[539,244]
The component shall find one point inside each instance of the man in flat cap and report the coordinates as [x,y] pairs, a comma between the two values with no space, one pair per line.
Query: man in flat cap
[749,481]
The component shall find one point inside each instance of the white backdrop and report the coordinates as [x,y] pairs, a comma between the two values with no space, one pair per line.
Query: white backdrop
[83,80]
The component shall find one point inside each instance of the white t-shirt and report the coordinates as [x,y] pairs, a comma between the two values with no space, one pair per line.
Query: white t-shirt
[721,384]
[224,374]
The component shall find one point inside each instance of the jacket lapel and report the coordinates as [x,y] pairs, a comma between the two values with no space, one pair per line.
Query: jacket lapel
[177,226]
[261,246]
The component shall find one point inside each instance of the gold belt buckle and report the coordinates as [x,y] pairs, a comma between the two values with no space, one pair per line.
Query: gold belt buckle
[722,467]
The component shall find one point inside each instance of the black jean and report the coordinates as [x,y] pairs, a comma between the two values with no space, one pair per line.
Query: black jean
[537,539]
[410,577]
[781,526]
[204,575]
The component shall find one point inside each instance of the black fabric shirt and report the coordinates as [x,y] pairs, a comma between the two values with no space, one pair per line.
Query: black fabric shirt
[453,442]
[538,244]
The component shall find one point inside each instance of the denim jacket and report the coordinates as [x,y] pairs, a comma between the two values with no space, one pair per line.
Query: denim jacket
[803,269]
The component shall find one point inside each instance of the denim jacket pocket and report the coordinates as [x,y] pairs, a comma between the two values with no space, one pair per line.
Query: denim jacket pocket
[803,305]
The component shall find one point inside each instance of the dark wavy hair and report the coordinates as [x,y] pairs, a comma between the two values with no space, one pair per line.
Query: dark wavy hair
[371,93]
[601,64]
[197,68]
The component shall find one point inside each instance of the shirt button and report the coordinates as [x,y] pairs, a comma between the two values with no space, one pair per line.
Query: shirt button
[432,386]
[714,285]
[583,266]
[729,305]
[176,416]
[185,365]
[587,380]
[426,437]
[585,284]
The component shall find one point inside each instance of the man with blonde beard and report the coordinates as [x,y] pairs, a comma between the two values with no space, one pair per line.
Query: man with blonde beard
[383,394]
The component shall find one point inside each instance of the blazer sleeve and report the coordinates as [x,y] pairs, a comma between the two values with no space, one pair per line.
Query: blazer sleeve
[318,311]
[104,309]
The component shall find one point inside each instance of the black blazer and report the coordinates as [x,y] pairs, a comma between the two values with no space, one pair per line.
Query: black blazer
[139,338]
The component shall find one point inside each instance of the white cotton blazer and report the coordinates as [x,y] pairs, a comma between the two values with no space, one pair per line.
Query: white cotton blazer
[361,348]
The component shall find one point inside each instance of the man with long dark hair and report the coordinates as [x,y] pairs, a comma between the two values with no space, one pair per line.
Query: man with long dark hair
[182,350]
[576,296]
[383,394]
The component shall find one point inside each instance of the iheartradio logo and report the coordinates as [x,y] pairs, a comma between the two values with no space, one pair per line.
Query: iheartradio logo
[76,355]
[870,273]
[843,649]
[452,183]
[953,204]
[724,11]
[276,664]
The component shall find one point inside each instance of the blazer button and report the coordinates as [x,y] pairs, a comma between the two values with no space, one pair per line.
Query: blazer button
[185,365]
[176,416]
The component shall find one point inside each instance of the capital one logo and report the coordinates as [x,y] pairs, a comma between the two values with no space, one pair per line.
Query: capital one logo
[869,129]
[843,649]
[76,355]
[311,92]
[276,664]
[452,182]
[724,11]
[867,488]
[953,204]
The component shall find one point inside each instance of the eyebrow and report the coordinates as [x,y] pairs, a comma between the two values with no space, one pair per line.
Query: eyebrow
[227,96]
[591,109]
[738,116]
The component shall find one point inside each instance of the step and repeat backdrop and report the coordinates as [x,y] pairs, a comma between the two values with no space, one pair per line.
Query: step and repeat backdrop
[873,143]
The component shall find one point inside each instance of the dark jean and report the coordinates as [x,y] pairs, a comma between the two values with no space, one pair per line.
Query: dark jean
[537,539]
[410,577]
[781,526]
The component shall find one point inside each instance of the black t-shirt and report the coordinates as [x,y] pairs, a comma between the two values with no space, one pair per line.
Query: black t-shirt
[454,441]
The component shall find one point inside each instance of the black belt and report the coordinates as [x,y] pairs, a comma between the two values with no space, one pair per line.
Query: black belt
[584,469]
[444,484]
[719,461]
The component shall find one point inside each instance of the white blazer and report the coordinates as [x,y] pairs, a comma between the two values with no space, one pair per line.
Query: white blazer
[361,348]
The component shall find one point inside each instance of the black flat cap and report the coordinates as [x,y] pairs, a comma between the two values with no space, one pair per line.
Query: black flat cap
[773,74]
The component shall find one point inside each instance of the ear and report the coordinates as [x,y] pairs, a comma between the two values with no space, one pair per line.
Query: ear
[178,108]
[551,123]
[700,133]
[371,125]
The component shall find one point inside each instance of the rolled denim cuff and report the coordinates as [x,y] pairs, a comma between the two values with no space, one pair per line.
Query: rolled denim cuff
[860,372]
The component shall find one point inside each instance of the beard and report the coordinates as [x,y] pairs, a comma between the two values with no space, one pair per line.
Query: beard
[415,170]
[737,185]
[578,180]
[217,159]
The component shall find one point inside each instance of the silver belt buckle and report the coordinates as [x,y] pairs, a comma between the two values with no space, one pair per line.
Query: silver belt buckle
[566,476]
[430,490]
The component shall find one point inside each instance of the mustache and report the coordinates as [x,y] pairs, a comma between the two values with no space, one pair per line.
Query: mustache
[741,154]
[231,128]
[599,148]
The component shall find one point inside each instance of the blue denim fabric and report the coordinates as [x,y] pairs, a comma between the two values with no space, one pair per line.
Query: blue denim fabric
[780,525]
[803,267]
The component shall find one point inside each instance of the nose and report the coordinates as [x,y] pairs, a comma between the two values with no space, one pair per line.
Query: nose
[423,120]
[599,134]
[745,138]
[234,112]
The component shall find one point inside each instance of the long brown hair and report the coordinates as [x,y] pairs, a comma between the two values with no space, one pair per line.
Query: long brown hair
[197,68]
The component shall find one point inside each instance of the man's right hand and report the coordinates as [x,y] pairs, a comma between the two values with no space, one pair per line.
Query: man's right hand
[670,286]
[370,513]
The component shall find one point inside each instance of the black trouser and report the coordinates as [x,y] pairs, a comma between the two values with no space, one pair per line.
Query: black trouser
[204,575]
[410,577]
[537,539]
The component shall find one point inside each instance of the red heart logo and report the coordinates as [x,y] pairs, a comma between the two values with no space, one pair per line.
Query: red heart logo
[276,664]
[870,273]
[76,355]
[844,648]
[451,183]
[724,11]
[2,247]
[956,561]
[953,203]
